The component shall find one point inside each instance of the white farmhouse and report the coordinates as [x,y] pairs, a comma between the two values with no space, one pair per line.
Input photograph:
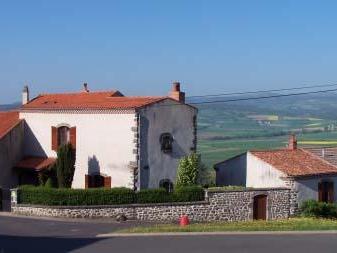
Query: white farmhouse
[120,141]
[308,174]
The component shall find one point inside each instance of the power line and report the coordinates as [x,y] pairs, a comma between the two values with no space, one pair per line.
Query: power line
[262,97]
[264,91]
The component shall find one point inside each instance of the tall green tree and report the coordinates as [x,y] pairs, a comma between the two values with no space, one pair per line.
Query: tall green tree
[188,170]
[65,166]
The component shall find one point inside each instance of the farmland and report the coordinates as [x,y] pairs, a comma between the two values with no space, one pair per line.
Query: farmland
[226,130]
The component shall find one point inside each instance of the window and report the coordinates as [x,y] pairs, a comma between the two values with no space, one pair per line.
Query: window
[166,141]
[63,134]
[167,184]
[326,192]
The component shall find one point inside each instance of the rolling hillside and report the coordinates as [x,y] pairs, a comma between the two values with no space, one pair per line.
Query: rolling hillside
[227,129]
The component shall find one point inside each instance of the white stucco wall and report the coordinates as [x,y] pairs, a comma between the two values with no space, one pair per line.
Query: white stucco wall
[104,140]
[308,188]
[232,171]
[261,174]
[165,117]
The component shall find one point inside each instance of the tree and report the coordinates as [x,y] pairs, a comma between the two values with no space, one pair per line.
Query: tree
[65,166]
[188,170]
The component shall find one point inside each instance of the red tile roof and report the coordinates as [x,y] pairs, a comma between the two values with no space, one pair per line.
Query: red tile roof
[35,163]
[89,100]
[8,120]
[297,162]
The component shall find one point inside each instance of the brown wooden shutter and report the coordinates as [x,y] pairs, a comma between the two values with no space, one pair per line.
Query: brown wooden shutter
[320,191]
[87,181]
[54,139]
[107,182]
[330,192]
[73,137]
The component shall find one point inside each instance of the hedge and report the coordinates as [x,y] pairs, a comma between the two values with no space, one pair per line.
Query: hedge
[100,196]
[313,208]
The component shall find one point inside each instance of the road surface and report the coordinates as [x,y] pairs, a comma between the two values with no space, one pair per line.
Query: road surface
[48,236]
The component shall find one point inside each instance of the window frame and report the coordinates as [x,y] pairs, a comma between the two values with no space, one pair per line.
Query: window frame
[166,142]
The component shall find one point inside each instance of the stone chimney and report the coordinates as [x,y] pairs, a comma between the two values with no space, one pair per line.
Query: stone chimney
[25,95]
[176,94]
[85,88]
[292,144]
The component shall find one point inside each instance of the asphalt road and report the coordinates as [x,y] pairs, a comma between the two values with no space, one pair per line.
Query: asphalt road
[32,235]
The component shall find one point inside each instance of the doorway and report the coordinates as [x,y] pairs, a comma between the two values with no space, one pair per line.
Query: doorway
[260,207]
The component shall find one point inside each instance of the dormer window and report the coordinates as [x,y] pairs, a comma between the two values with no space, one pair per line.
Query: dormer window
[63,134]
[166,141]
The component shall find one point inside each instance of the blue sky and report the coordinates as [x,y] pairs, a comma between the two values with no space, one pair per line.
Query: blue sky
[141,46]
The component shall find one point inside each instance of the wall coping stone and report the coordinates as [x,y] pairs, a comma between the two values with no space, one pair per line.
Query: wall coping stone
[247,190]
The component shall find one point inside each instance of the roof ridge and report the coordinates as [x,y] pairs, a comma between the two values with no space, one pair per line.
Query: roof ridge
[78,92]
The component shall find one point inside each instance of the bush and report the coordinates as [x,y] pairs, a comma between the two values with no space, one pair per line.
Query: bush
[188,170]
[189,193]
[50,183]
[100,196]
[153,196]
[313,208]
[74,197]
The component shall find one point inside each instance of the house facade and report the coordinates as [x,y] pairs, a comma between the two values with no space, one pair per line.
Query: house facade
[120,141]
[303,171]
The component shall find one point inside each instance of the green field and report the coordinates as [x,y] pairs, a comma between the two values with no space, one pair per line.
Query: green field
[226,130]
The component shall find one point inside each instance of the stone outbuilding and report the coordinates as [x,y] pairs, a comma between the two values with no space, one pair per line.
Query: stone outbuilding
[306,173]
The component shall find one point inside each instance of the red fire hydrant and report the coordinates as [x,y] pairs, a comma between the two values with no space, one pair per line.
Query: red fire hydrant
[184,221]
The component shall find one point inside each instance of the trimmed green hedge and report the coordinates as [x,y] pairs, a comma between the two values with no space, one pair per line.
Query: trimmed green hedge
[115,196]
[313,208]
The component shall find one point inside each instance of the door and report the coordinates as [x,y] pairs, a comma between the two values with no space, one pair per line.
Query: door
[326,192]
[260,207]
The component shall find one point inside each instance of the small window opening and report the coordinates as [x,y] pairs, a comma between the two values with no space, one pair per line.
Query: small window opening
[166,141]
[167,184]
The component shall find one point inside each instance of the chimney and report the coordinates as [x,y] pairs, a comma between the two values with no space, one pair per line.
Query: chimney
[85,88]
[292,144]
[176,94]
[25,95]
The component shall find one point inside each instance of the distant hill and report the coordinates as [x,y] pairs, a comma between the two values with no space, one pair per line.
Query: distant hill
[9,106]
[227,129]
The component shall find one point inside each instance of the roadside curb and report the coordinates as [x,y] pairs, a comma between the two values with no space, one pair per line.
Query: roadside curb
[323,232]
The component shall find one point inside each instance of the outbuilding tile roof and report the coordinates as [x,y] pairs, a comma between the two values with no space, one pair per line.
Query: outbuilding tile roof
[298,162]
[89,100]
[8,120]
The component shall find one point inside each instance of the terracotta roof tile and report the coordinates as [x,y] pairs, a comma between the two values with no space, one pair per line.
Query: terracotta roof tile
[8,120]
[297,162]
[88,100]
[35,163]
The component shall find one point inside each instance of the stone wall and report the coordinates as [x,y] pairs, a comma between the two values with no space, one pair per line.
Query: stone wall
[219,206]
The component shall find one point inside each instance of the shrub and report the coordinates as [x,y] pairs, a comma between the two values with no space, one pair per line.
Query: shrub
[313,208]
[100,196]
[50,183]
[74,197]
[65,166]
[188,193]
[188,170]
[153,196]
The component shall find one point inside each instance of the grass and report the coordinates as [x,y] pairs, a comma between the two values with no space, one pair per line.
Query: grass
[294,224]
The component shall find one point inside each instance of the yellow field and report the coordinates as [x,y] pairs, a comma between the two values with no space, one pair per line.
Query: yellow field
[317,142]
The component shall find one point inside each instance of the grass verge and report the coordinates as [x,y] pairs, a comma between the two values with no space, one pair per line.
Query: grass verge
[294,224]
